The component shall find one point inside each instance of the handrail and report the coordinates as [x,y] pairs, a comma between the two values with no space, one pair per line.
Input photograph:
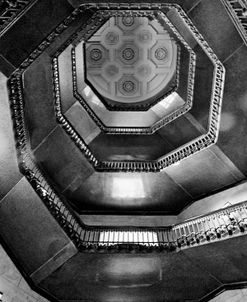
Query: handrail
[133,130]
[218,226]
[196,145]
[238,12]
[163,121]
[12,11]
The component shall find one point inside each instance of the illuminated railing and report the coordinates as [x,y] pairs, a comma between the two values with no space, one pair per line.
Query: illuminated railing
[238,12]
[209,228]
[139,130]
[10,10]
[86,32]
[84,237]
[186,150]
[216,226]
[128,237]
[219,225]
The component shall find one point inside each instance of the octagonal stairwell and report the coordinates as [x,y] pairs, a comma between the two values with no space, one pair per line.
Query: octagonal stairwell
[69,260]
[72,174]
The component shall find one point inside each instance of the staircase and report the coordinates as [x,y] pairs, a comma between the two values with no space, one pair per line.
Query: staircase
[72,164]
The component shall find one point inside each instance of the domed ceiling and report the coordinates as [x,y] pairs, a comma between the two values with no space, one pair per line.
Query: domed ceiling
[130,59]
[128,42]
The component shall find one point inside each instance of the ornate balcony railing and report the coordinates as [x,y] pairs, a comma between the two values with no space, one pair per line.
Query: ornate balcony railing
[138,130]
[216,226]
[86,32]
[219,225]
[188,97]
[186,150]
[222,224]
[10,10]
[238,12]
[209,228]
[213,227]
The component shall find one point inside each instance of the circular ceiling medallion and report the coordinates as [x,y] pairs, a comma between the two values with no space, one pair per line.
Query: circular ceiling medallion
[128,85]
[130,46]
[96,54]
[128,53]
[128,21]
[161,54]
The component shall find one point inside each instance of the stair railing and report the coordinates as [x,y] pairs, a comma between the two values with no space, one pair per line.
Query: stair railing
[237,9]
[11,11]
[217,226]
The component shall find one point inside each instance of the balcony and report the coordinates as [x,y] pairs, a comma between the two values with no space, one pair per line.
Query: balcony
[82,150]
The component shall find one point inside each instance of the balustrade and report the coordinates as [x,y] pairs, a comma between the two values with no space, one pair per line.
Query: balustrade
[219,225]
[209,228]
[186,150]
[145,166]
[238,12]
[10,9]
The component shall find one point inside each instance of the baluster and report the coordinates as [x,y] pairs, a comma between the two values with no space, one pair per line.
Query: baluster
[135,237]
[227,222]
[211,233]
[196,230]
[201,233]
[187,234]
[182,239]
[243,213]
[192,236]
[121,237]
[178,236]
[234,221]
[222,228]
